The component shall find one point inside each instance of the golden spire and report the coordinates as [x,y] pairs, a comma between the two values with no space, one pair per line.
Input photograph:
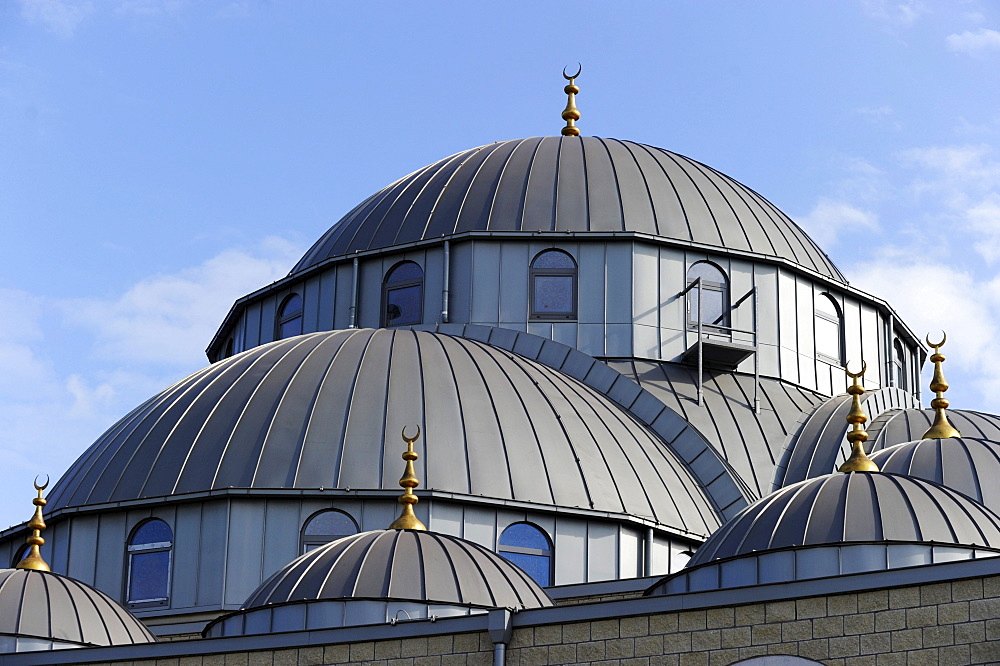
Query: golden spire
[33,560]
[407,519]
[859,460]
[571,114]
[941,427]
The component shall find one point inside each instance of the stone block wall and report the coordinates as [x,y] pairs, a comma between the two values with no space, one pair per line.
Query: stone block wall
[946,623]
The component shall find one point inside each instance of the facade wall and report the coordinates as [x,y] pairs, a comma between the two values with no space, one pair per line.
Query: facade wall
[954,622]
[629,305]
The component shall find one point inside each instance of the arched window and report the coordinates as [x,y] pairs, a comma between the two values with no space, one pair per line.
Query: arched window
[529,548]
[326,526]
[289,317]
[553,277]
[829,332]
[19,555]
[714,295]
[403,295]
[149,563]
[898,364]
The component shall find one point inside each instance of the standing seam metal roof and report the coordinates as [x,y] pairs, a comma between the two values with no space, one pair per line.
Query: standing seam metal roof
[326,409]
[404,565]
[49,606]
[856,507]
[575,184]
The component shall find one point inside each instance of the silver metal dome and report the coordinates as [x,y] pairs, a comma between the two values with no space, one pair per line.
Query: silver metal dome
[317,411]
[970,466]
[856,507]
[406,565]
[39,608]
[576,184]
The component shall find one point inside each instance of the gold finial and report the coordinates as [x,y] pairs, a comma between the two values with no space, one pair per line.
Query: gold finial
[33,560]
[407,519]
[941,428]
[571,114]
[859,460]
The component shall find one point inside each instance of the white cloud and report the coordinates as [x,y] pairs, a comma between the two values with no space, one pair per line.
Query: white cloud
[983,219]
[974,43]
[60,17]
[169,319]
[830,219]
[902,14]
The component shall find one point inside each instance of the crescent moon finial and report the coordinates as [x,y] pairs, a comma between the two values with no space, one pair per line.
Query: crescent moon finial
[855,375]
[410,440]
[944,338]
[42,486]
[570,77]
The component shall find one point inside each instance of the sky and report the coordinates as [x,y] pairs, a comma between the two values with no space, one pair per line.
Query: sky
[162,158]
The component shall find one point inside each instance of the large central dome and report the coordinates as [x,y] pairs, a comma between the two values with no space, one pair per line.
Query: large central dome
[573,185]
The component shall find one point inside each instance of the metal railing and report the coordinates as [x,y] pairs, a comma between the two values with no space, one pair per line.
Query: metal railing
[699,320]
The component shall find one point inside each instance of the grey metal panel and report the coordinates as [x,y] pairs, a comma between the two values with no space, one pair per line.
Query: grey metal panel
[619,268]
[111,539]
[591,282]
[310,304]
[83,549]
[572,212]
[342,297]
[370,277]
[513,270]
[185,556]
[570,544]
[485,292]
[212,543]
[602,551]
[603,197]
[539,205]
[55,551]
[327,295]
[267,319]
[508,198]
[252,318]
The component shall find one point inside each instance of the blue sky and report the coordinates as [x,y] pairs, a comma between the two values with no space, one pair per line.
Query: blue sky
[164,157]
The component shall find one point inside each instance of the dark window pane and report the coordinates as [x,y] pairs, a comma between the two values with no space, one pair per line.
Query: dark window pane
[554,294]
[331,523]
[291,306]
[148,576]
[404,273]
[403,305]
[524,535]
[536,566]
[290,328]
[153,531]
[553,259]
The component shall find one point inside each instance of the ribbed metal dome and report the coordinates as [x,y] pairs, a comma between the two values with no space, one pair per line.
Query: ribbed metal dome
[50,607]
[970,466]
[854,508]
[571,184]
[326,410]
[402,565]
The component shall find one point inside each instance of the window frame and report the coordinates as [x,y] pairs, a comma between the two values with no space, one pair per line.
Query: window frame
[284,317]
[708,285]
[839,321]
[315,539]
[388,287]
[899,364]
[548,553]
[537,272]
[131,550]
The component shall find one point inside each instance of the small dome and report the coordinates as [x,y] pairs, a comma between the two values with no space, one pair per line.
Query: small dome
[317,410]
[857,507]
[382,573]
[44,611]
[836,525]
[576,184]
[969,465]
[403,564]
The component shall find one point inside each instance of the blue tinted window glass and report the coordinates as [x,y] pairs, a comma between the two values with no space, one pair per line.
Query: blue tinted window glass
[403,305]
[291,306]
[524,536]
[553,294]
[148,575]
[290,328]
[711,303]
[536,566]
[553,259]
[405,272]
[152,531]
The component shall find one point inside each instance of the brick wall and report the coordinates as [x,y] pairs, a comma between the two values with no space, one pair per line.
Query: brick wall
[943,623]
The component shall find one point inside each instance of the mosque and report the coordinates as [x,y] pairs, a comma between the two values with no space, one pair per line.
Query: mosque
[643,419]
